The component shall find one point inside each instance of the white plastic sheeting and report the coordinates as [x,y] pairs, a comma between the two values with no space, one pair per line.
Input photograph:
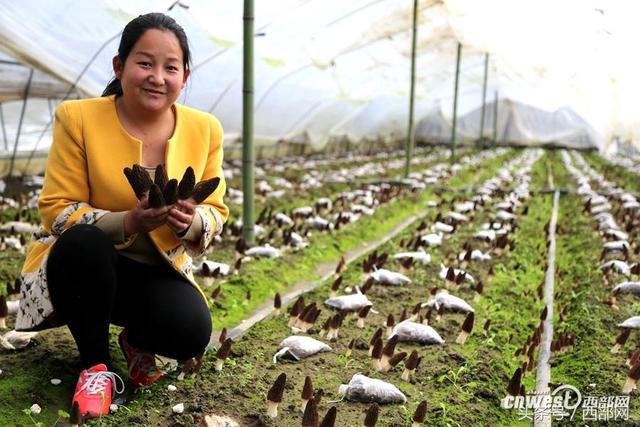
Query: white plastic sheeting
[15,75]
[334,70]
[522,124]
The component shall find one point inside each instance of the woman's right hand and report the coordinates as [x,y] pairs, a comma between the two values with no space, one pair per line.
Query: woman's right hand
[143,219]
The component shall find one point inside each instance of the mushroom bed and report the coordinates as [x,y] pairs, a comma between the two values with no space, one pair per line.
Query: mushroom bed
[462,383]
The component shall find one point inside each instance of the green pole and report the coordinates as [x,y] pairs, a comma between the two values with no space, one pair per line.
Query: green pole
[495,118]
[4,129]
[484,95]
[22,114]
[247,127]
[455,105]
[410,136]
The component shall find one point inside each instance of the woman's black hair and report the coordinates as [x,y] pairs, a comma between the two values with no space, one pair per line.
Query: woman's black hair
[134,30]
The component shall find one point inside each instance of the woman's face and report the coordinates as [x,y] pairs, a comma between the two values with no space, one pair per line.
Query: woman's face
[153,74]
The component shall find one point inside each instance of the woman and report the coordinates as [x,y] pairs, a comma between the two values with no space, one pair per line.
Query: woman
[104,256]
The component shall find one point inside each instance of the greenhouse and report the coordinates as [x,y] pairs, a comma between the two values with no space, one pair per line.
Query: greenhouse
[319,213]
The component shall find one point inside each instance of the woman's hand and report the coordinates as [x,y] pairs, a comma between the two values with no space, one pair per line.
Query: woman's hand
[143,219]
[181,216]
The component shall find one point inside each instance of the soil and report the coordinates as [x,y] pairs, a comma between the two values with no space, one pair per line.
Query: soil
[462,384]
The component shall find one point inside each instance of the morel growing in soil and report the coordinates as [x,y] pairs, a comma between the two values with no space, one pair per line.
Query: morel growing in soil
[420,414]
[223,353]
[376,335]
[329,419]
[274,395]
[277,304]
[621,340]
[307,393]
[371,418]
[4,312]
[411,365]
[632,379]
[75,418]
[467,327]
[362,314]
[310,416]
[390,323]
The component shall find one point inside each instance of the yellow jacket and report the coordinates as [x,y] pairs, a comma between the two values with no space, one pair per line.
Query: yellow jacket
[84,180]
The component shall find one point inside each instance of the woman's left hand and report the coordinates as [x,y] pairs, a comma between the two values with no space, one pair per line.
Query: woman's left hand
[181,216]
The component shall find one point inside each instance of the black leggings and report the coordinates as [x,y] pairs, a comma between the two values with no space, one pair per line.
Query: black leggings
[91,286]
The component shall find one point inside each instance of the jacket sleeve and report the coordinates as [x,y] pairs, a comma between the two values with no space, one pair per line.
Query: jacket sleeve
[212,211]
[64,200]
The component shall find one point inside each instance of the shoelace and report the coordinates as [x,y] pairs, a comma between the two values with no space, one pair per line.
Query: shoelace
[96,382]
[144,362]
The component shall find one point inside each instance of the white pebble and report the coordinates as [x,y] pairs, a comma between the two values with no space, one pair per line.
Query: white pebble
[113,407]
[35,409]
[55,381]
[178,409]
[171,387]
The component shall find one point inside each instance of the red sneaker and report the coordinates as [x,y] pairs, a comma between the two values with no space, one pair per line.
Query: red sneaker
[142,364]
[94,391]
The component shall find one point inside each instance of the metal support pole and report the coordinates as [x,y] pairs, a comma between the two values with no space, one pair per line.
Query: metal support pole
[495,118]
[412,91]
[484,96]
[247,126]
[24,108]
[4,129]
[455,106]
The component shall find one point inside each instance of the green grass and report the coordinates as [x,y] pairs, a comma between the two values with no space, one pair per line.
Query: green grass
[266,277]
[462,384]
[628,180]
[590,366]
[26,374]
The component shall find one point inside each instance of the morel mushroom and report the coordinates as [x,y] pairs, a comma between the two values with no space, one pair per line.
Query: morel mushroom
[376,355]
[307,393]
[223,353]
[156,199]
[420,414]
[376,335]
[139,180]
[277,304]
[467,327]
[362,314]
[632,379]
[335,286]
[387,352]
[75,418]
[204,189]
[329,419]
[394,361]
[274,395]
[310,416]
[170,192]
[4,312]
[160,178]
[390,323]
[621,340]
[371,418]
[411,365]
[188,181]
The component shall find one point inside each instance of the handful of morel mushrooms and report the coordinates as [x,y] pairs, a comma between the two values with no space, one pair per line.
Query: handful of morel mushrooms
[163,191]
